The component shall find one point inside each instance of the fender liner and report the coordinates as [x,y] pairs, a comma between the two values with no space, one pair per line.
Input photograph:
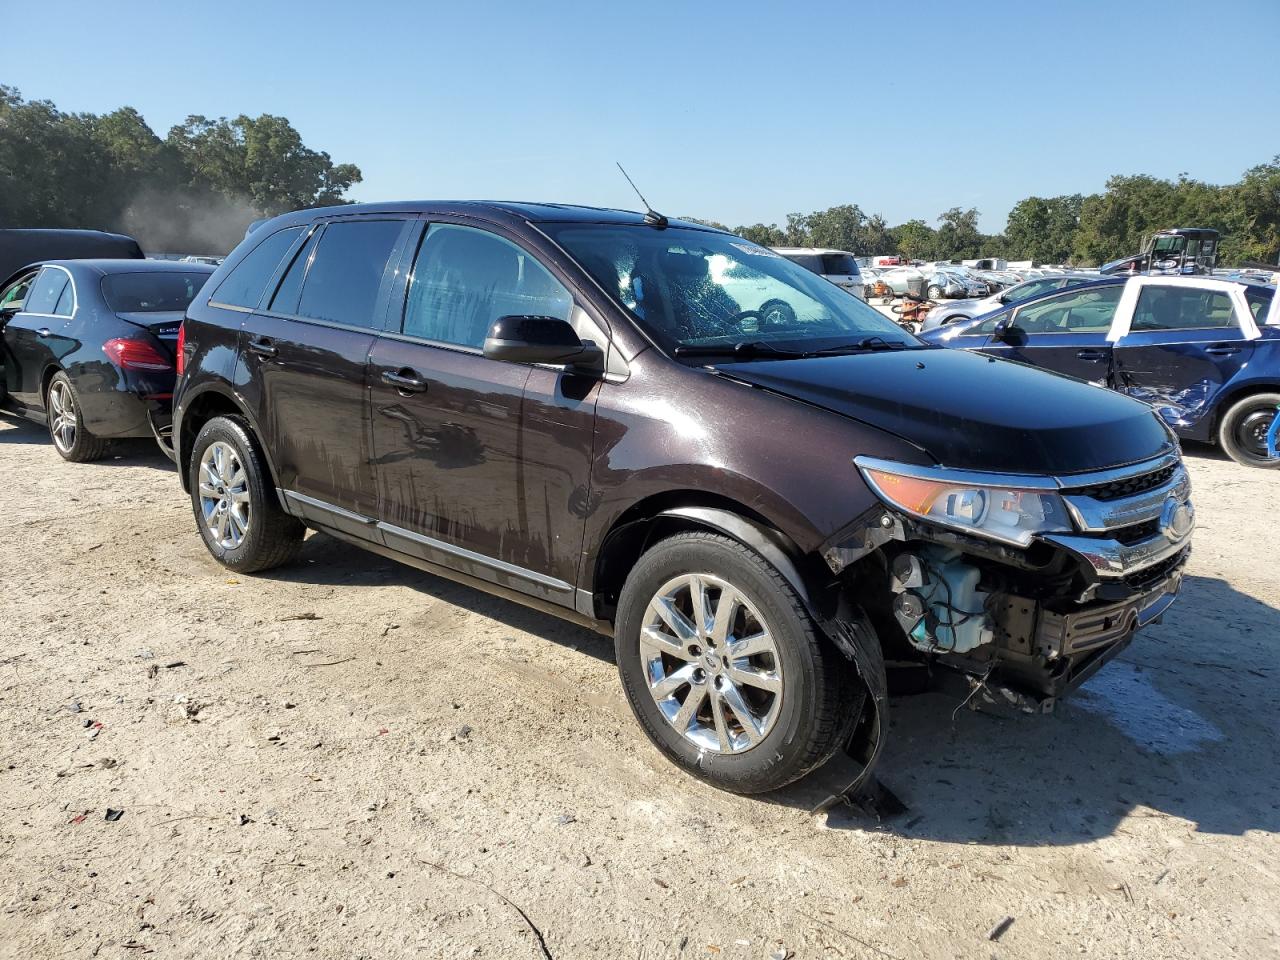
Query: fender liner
[843,623]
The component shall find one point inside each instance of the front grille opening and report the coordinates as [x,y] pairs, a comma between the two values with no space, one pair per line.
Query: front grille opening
[1154,574]
[1137,532]
[1127,487]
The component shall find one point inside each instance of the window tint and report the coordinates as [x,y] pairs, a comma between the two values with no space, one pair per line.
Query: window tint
[1182,308]
[151,292]
[244,285]
[464,279]
[1077,311]
[1259,301]
[286,298]
[66,301]
[839,264]
[346,271]
[809,261]
[46,291]
[1032,288]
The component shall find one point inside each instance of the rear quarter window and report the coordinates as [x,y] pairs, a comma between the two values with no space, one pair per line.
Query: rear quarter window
[244,286]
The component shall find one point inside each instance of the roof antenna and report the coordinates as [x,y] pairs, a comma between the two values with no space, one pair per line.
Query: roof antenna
[651,216]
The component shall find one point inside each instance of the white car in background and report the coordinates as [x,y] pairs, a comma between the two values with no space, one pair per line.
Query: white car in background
[838,266]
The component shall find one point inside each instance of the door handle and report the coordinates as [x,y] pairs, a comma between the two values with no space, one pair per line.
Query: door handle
[44,332]
[1095,355]
[406,381]
[1222,350]
[263,347]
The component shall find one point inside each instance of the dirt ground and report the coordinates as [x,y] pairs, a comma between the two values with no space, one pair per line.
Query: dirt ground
[347,758]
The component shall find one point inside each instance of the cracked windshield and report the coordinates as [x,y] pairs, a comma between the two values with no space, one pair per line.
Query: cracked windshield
[703,293]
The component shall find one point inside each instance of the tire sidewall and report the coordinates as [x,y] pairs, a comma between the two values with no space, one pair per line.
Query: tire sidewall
[80,450]
[767,764]
[233,432]
[1237,412]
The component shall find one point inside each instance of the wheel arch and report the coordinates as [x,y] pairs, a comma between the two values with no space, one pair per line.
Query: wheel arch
[199,410]
[1229,398]
[665,514]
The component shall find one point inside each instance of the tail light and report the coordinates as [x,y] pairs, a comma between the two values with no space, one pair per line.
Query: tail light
[182,346]
[136,355]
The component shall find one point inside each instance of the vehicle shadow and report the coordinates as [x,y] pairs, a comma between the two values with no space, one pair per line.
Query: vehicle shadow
[327,561]
[1181,725]
[133,452]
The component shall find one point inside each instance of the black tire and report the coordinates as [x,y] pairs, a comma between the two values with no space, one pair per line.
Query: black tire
[954,319]
[70,437]
[815,714]
[935,292]
[1242,432]
[271,536]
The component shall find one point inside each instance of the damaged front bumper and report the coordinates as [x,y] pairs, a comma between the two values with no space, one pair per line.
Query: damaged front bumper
[1024,626]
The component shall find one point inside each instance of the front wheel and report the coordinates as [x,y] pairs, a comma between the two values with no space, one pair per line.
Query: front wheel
[1243,431]
[723,667]
[235,503]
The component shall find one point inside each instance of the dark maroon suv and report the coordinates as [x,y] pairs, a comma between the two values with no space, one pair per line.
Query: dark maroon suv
[762,488]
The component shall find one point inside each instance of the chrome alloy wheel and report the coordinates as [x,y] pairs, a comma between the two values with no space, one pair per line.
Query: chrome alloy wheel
[711,663]
[224,495]
[62,416]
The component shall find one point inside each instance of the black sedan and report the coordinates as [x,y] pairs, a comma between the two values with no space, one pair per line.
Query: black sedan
[89,347]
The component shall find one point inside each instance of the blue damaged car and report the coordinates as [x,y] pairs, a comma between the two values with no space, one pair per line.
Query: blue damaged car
[1203,351]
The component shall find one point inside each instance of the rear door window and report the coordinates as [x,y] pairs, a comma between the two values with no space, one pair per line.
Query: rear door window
[244,286]
[464,279]
[345,271]
[46,291]
[66,304]
[1182,308]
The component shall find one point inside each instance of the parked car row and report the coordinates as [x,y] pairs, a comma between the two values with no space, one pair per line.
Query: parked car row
[761,487]
[1203,351]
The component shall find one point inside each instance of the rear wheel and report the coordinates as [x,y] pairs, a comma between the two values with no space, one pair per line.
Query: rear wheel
[723,667]
[935,292]
[1243,431]
[66,423]
[235,504]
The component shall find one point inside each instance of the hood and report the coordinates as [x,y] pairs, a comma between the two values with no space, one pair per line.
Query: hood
[972,412]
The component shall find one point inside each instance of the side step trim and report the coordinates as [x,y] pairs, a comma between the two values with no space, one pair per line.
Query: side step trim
[470,555]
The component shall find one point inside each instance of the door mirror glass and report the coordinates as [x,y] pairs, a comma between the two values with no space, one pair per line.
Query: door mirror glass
[533,339]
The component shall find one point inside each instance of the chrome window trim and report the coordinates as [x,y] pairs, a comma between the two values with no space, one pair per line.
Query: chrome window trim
[75,295]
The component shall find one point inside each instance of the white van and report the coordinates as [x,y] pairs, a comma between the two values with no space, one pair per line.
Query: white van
[838,266]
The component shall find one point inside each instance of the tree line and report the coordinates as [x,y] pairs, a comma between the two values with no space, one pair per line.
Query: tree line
[1075,229]
[193,191]
[197,188]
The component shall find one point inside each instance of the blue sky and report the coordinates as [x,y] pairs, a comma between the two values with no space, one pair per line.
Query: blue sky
[736,111]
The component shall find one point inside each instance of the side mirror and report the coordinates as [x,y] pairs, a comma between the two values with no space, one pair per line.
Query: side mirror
[1001,330]
[526,339]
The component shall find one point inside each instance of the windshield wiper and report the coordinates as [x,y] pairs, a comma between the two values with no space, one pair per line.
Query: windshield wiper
[747,348]
[876,342]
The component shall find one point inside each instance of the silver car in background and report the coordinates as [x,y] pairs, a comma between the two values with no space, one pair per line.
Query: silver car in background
[945,313]
[838,266]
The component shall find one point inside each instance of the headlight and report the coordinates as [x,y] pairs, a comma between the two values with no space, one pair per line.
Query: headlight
[1009,509]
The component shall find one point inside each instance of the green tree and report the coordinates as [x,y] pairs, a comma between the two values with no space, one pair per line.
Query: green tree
[958,237]
[1043,229]
[915,240]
